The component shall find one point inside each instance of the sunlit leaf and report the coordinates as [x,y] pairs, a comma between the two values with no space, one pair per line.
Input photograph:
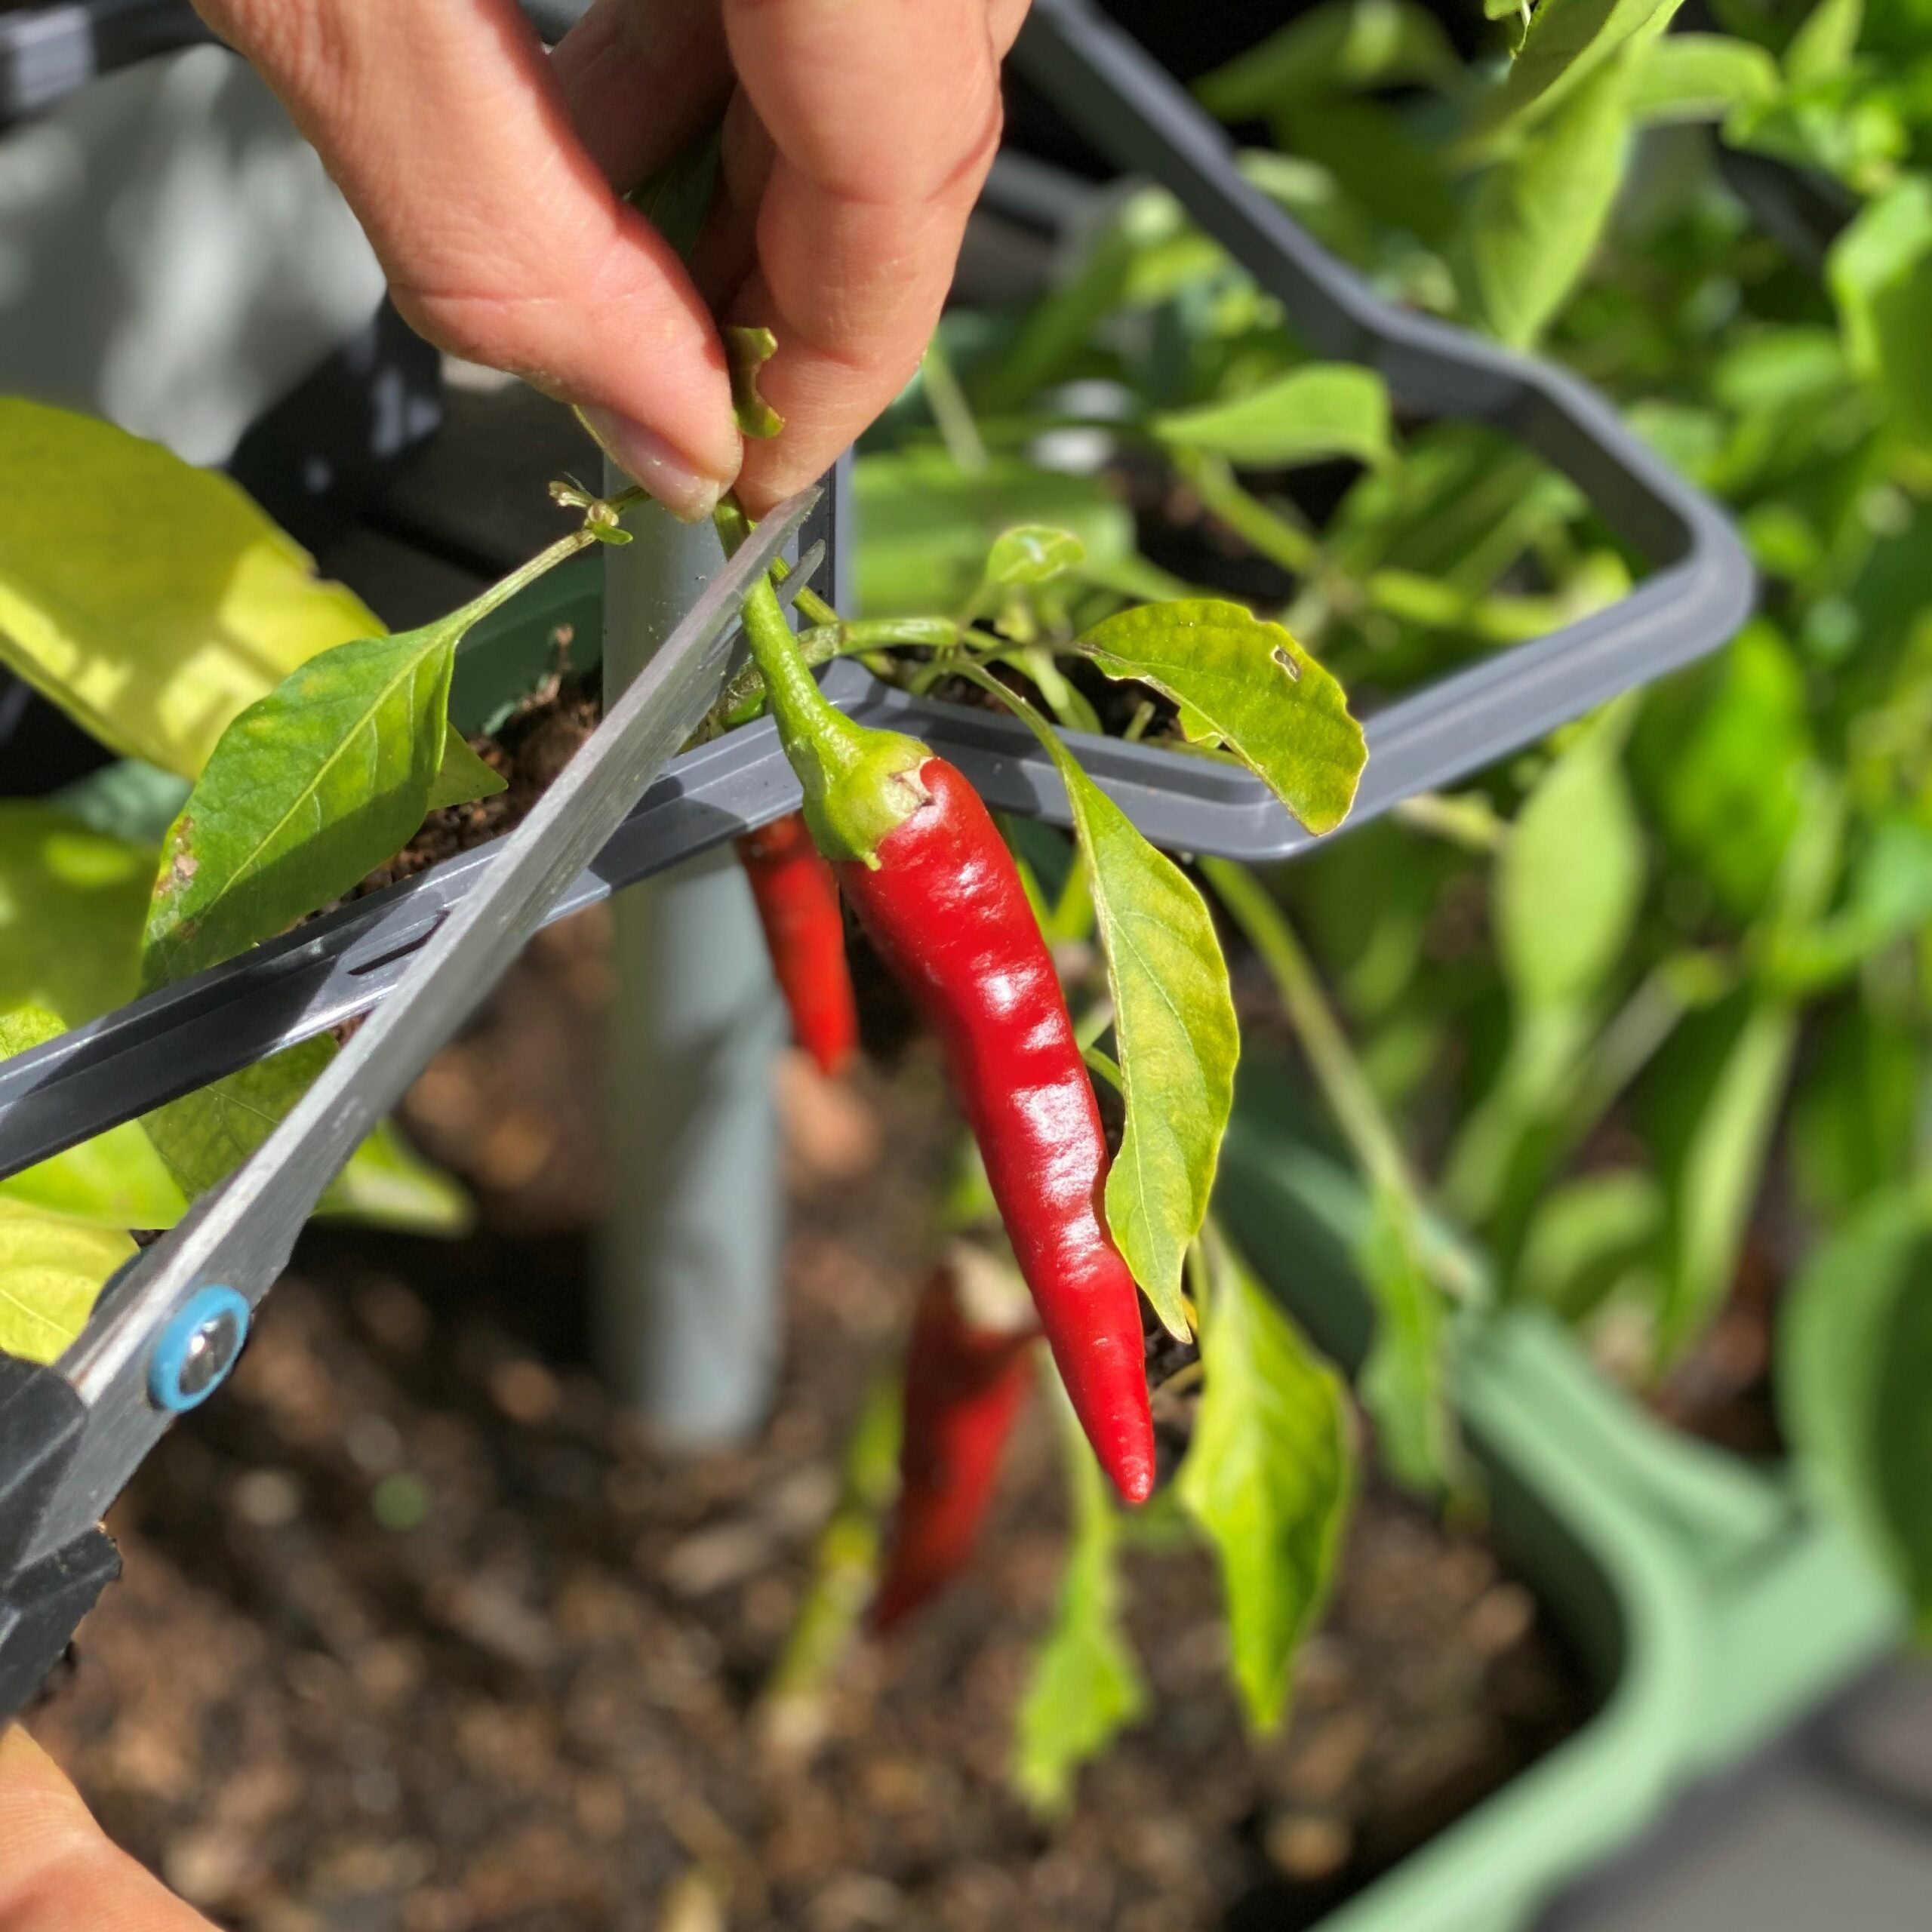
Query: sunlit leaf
[1567,43]
[1345,44]
[1880,270]
[1854,1362]
[1176,1033]
[1085,1687]
[388,1184]
[1535,217]
[1826,39]
[52,1271]
[1247,684]
[929,524]
[462,775]
[206,1135]
[1033,553]
[327,776]
[151,601]
[116,1180]
[1311,414]
[1570,877]
[71,902]
[1267,1477]
[1698,77]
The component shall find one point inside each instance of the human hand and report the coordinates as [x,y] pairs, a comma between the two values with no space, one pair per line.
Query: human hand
[58,1871]
[490,178]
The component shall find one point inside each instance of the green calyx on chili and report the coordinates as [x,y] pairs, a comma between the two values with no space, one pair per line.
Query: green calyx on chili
[924,867]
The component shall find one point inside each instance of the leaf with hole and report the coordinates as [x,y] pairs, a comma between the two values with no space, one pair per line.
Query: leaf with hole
[1244,683]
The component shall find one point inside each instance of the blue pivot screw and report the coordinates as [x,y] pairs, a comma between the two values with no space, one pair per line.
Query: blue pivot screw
[197,1348]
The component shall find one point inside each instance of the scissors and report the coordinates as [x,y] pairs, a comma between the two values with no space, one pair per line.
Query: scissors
[167,1329]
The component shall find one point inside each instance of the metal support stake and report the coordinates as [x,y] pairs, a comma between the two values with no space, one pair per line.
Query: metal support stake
[686,1315]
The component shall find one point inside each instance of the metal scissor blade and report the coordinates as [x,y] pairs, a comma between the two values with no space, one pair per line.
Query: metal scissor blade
[240,1236]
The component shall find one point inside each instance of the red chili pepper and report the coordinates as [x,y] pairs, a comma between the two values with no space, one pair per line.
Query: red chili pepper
[964,1384]
[945,907]
[805,931]
[937,890]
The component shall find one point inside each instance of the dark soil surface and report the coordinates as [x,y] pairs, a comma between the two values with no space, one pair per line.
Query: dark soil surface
[417,1633]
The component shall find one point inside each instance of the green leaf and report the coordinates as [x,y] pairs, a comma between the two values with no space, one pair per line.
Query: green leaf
[1536,218]
[1345,44]
[206,1135]
[1854,1361]
[1880,270]
[1823,45]
[1587,1236]
[327,776]
[1311,414]
[52,1271]
[387,1184]
[463,776]
[929,524]
[1570,879]
[1722,1171]
[129,800]
[1267,1477]
[1247,684]
[150,600]
[1403,1382]
[1176,1034]
[1033,553]
[1085,1686]
[1854,1117]
[1698,77]
[116,1180]
[70,913]
[1566,43]
[1721,757]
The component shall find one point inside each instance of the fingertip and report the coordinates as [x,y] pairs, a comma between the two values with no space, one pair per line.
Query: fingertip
[686,490]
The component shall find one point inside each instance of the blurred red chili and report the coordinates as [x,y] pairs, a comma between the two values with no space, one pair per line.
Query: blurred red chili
[964,1385]
[797,896]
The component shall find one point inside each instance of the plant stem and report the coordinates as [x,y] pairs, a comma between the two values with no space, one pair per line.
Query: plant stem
[1345,1087]
[1266,529]
[953,415]
[500,593]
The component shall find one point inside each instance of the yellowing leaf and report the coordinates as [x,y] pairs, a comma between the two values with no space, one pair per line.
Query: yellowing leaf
[70,913]
[1268,1478]
[1249,685]
[52,1271]
[116,1180]
[150,600]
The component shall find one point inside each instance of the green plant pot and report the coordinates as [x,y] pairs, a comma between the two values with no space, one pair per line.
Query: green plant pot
[1713,1605]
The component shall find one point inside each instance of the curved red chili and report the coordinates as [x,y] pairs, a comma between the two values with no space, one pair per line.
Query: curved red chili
[797,897]
[945,907]
[964,1385]
[924,866]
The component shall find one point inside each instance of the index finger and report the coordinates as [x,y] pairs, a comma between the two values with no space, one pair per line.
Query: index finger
[884,116]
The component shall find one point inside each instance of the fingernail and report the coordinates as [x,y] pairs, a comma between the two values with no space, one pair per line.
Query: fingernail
[643,454]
